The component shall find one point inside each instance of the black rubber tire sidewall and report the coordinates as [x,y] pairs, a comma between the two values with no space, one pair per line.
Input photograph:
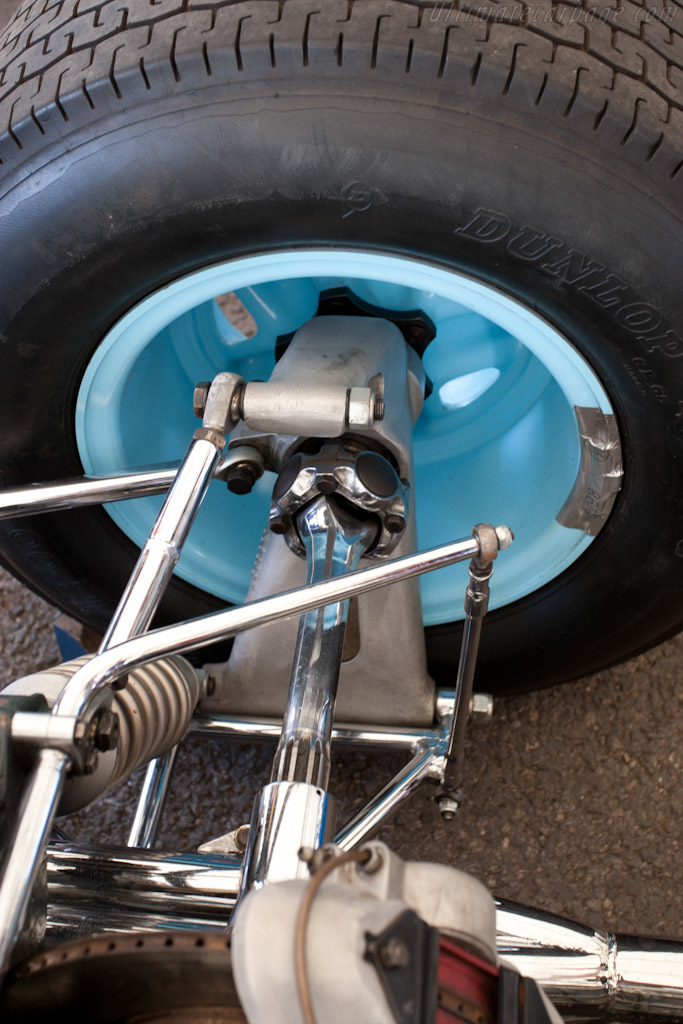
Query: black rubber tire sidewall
[201,178]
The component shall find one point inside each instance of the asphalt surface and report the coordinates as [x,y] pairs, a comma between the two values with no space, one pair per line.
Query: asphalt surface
[573,798]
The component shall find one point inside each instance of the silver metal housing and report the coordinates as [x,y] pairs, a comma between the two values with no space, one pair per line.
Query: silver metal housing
[348,905]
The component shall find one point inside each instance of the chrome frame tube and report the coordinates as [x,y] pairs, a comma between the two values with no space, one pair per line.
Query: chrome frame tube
[235,727]
[142,596]
[141,878]
[135,609]
[590,976]
[94,890]
[16,502]
[366,822]
[77,492]
[161,551]
[187,636]
[26,845]
[152,800]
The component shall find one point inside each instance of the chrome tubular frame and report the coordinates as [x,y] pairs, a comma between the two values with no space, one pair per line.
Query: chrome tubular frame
[16,502]
[110,664]
[590,976]
[134,612]
[152,800]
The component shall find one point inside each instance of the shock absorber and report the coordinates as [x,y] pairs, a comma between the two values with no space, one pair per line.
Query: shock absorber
[154,713]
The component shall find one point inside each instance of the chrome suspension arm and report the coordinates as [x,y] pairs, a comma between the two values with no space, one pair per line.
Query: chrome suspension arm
[55,496]
[106,667]
[16,502]
[134,612]
[191,635]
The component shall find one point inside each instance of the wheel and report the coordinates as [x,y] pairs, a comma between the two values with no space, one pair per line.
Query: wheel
[156,977]
[514,172]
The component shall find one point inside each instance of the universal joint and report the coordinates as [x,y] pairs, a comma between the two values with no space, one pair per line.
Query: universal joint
[365,480]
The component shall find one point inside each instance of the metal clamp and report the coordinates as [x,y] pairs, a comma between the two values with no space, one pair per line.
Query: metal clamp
[283,407]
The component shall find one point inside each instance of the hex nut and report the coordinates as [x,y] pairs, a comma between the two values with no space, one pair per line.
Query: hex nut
[107,734]
[199,397]
[277,525]
[327,484]
[241,478]
[481,708]
[505,537]
[448,807]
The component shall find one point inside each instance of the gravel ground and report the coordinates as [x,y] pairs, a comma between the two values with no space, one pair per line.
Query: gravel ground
[573,794]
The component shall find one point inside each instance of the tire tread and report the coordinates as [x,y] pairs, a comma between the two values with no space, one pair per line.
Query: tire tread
[67,62]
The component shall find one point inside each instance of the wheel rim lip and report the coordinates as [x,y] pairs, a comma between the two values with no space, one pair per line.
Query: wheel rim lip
[100,403]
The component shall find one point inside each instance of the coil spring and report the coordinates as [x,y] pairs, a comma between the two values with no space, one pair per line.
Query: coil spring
[154,709]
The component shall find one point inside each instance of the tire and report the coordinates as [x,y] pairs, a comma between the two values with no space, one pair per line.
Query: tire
[538,150]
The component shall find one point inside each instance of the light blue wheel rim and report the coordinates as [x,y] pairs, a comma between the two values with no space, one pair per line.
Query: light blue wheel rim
[510,456]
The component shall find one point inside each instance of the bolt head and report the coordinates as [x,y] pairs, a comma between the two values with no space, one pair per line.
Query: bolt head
[242,837]
[199,397]
[394,953]
[326,483]
[394,523]
[278,525]
[241,478]
[107,735]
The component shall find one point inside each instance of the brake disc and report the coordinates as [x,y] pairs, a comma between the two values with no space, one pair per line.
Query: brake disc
[170,977]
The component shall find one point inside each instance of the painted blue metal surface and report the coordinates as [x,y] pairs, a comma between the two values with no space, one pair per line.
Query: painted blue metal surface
[510,455]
